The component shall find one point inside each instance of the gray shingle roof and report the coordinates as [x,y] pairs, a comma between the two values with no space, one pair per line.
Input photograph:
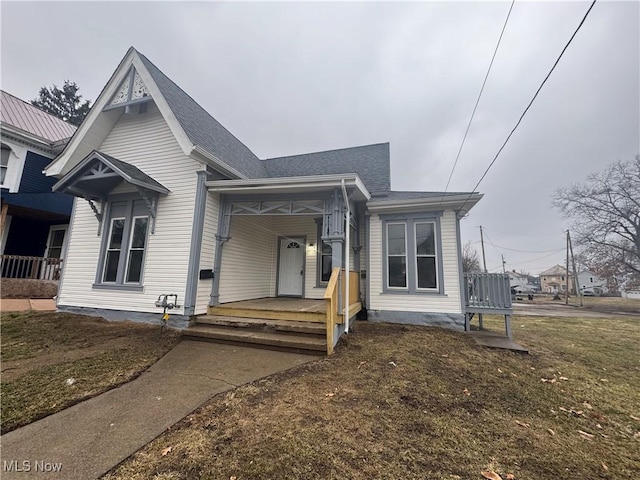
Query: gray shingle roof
[133,172]
[204,130]
[370,162]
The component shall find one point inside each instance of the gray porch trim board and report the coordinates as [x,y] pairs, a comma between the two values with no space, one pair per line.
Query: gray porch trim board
[196,244]
[368,260]
[453,321]
[224,225]
[460,268]
[175,321]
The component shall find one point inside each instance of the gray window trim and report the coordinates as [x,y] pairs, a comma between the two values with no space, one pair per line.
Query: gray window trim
[410,221]
[129,216]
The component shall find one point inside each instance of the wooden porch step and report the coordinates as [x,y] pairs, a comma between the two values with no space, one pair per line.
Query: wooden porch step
[264,324]
[297,316]
[286,340]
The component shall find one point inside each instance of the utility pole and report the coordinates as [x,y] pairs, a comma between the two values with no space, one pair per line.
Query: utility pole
[566,290]
[484,259]
[575,273]
[503,263]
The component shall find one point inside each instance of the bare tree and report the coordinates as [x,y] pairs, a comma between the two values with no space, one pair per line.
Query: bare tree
[470,260]
[605,214]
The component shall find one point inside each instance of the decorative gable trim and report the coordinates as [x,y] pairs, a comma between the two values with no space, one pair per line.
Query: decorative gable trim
[87,138]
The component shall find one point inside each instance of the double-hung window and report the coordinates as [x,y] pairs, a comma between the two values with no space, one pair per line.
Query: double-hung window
[123,249]
[412,254]
[4,162]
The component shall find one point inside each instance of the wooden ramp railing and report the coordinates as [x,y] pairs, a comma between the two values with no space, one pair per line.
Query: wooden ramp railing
[487,293]
[335,295]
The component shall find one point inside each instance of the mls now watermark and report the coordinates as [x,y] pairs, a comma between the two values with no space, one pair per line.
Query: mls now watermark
[31,466]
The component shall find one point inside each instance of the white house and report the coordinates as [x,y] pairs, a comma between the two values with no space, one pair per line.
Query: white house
[520,282]
[590,283]
[169,202]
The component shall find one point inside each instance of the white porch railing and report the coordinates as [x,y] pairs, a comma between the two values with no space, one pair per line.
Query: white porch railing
[38,268]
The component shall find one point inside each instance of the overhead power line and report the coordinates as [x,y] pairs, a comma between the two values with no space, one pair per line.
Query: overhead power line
[530,103]
[475,107]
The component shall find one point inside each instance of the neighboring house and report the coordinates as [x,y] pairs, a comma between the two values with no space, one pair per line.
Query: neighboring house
[169,202]
[520,282]
[554,280]
[591,284]
[34,219]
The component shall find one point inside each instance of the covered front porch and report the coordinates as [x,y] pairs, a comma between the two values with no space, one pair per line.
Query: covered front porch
[286,250]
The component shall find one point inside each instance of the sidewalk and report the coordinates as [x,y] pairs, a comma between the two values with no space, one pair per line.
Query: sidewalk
[22,304]
[90,438]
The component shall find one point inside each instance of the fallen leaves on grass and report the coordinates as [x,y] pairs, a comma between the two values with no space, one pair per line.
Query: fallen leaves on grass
[604,466]
[330,394]
[466,392]
[490,475]
[548,380]
[523,424]
[586,434]
[166,451]
[551,431]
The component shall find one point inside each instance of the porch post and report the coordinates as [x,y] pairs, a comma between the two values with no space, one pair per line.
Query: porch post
[196,244]
[333,228]
[224,225]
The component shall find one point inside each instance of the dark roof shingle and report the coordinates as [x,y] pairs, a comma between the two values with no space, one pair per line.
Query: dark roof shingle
[370,162]
[204,130]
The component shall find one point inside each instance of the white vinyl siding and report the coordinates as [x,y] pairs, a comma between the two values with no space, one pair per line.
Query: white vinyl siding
[449,302]
[247,259]
[144,140]
[250,257]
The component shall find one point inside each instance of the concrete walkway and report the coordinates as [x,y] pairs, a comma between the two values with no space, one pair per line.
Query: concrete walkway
[92,437]
[24,304]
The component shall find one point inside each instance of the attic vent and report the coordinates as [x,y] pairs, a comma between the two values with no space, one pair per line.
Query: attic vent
[131,90]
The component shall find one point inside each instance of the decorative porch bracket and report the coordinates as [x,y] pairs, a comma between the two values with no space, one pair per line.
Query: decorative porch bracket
[98,213]
[151,201]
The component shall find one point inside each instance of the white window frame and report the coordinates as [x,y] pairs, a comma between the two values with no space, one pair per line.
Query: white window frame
[107,250]
[130,248]
[434,256]
[406,256]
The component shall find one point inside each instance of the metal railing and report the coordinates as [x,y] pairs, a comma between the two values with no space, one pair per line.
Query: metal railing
[487,291]
[39,268]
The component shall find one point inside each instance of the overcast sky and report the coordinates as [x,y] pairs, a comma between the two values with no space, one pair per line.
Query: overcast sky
[290,78]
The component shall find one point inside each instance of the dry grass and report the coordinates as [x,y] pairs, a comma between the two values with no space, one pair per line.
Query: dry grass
[27,288]
[41,351]
[412,402]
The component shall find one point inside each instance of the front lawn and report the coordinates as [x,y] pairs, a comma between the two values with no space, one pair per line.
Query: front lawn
[51,361]
[411,402]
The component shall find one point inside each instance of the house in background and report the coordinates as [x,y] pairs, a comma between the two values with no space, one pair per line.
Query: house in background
[590,284]
[34,220]
[554,280]
[519,282]
[173,211]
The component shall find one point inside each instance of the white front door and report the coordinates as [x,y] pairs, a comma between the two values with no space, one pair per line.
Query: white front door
[291,267]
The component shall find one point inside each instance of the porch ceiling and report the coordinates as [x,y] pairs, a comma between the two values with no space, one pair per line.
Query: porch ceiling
[292,185]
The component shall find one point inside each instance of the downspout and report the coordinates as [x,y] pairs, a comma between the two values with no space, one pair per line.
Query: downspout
[346,261]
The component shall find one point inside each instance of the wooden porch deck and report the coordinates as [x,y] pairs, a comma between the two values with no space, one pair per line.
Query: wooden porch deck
[307,325]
